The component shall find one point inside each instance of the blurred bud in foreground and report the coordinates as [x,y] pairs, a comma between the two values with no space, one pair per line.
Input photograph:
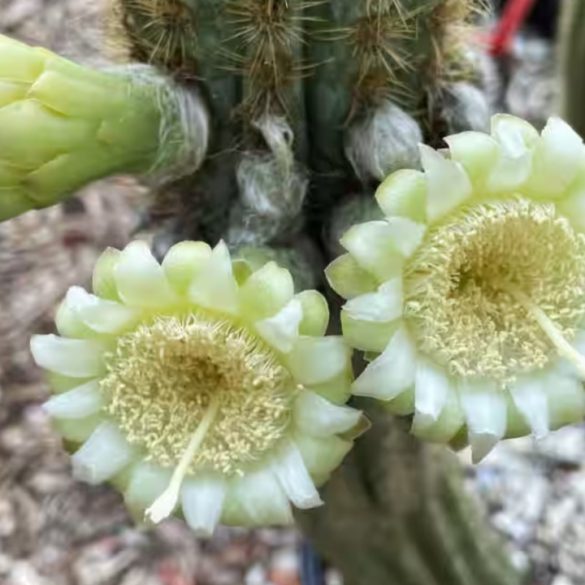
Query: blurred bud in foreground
[63,125]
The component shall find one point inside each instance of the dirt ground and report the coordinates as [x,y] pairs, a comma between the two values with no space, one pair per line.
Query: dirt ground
[56,531]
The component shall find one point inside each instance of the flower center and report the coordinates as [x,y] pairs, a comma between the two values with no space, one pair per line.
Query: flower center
[470,287]
[164,377]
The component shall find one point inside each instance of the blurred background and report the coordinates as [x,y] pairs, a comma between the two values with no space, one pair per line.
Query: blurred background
[56,531]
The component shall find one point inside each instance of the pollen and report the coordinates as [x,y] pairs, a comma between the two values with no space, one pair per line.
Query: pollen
[468,287]
[162,378]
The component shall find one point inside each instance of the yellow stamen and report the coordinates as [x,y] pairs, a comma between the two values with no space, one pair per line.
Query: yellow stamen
[164,505]
[552,331]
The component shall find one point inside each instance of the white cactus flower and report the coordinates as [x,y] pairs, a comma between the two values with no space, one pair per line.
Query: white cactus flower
[469,297]
[200,385]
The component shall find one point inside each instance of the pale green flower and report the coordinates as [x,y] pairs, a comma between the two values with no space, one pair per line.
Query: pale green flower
[200,384]
[469,296]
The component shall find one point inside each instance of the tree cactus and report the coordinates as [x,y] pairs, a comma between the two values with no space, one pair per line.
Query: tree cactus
[309,106]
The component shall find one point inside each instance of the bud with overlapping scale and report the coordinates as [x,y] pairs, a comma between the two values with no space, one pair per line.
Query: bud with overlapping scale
[469,296]
[63,125]
[201,384]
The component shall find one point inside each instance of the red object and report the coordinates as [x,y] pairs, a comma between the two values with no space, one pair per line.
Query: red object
[513,16]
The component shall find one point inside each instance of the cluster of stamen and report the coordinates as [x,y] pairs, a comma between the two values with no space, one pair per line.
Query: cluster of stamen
[164,376]
[468,287]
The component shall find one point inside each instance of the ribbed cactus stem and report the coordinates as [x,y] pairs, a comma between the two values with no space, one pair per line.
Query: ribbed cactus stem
[161,32]
[64,125]
[572,54]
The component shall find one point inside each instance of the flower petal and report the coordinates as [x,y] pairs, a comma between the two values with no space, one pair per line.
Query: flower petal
[256,499]
[484,407]
[202,500]
[338,388]
[266,291]
[392,372]
[404,194]
[315,313]
[103,455]
[293,476]
[317,359]
[321,455]
[448,183]
[140,279]
[566,400]
[316,416]
[348,279]
[67,319]
[373,245]
[476,151]
[282,330]
[573,204]
[529,395]
[431,388]
[381,306]
[77,430]
[516,139]
[99,315]
[558,157]
[182,262]
[77,403]
[147,482]
[214,285]
[77,358]
[446,426]
[103,280]
[367,335]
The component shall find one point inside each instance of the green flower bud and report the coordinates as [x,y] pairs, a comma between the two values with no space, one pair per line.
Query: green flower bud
[63,125]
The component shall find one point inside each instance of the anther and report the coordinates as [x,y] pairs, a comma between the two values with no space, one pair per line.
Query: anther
[551,330]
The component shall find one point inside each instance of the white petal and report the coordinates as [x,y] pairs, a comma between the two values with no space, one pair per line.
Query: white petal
[431,390]
[77,403]
[476,151]
[392,372]
[485,411]
[516,139]
[77,358]
[348,279]
[558,157]
[256,499]
[383,305]
[566,400]
[282,330]
[266,292]
[140,279]
[529,395]
[315,313]
[404,194]
[373,245]
[446,426]
[515,136]
[147,482]
[317,359]
[448,183]
[214,286]
[202,500]
[322,454]
[98,314]
[182,262]
[406,234]
[316,416]
[290,470]
[104,454]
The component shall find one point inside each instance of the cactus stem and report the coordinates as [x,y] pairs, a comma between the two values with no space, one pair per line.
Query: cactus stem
[161,32]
